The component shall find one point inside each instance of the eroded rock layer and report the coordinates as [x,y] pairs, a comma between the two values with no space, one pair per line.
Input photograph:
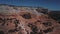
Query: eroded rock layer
[26,20]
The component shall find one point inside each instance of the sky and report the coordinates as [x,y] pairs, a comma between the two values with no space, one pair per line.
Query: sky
[50,4]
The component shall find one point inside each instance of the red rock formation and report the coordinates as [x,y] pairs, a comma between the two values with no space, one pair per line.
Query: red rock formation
[24,20]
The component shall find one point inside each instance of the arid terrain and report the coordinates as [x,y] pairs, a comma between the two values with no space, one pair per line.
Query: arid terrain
[28,20]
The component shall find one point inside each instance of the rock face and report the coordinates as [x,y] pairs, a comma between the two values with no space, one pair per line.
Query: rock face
[55,15]
[26,20]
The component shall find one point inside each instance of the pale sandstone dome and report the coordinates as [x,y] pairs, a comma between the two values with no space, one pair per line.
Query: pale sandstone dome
[36,19]
[10,10]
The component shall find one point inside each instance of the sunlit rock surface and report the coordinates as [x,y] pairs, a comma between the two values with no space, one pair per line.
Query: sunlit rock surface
[27,20]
